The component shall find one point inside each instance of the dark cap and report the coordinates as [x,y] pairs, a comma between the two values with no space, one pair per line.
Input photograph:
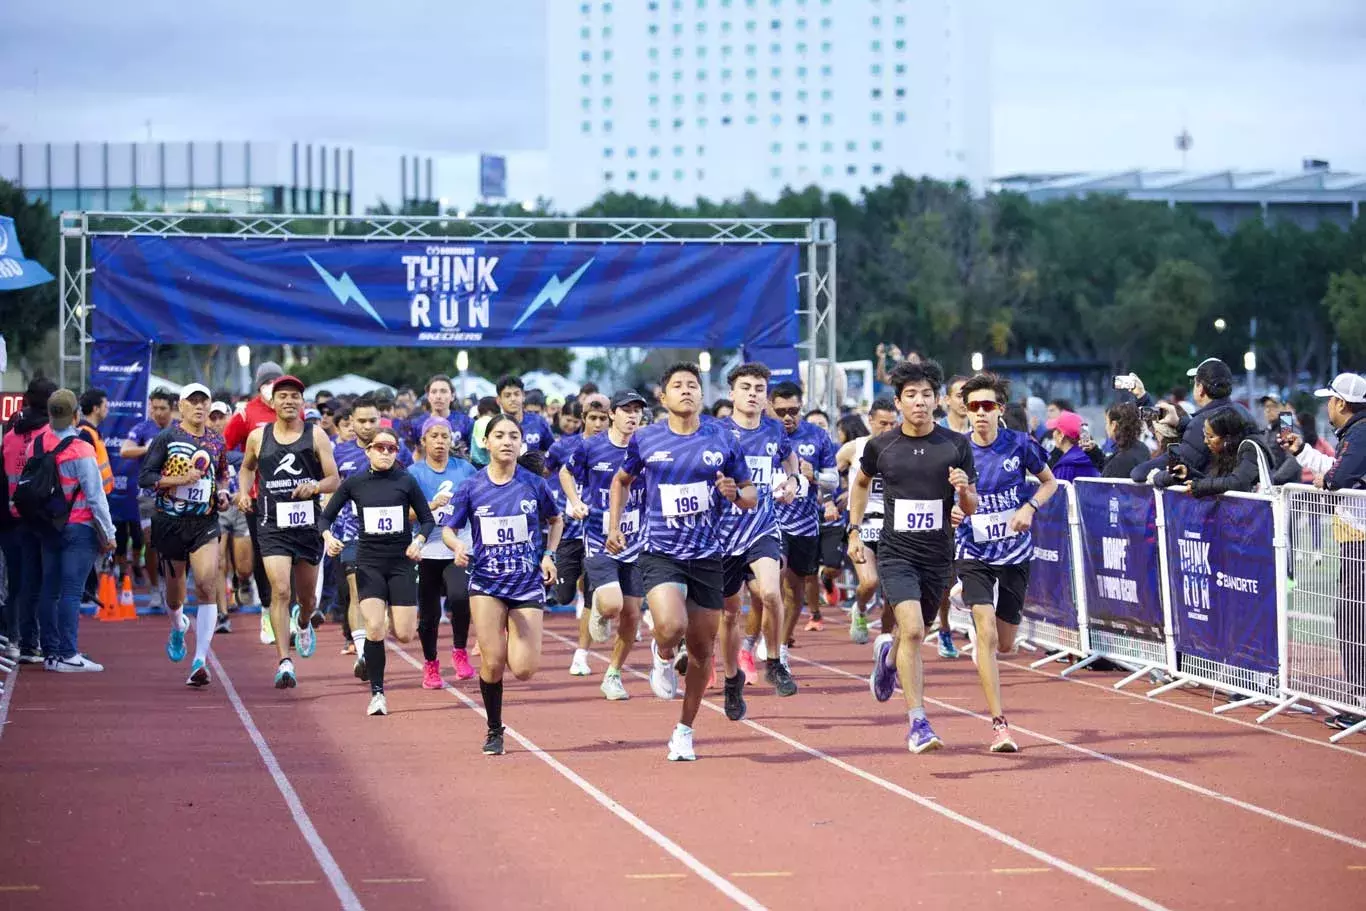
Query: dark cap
[626,397]
[287,380]
[1212,372]
[267,372]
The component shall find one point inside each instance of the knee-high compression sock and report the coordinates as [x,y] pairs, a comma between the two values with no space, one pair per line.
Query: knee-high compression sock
[492,694]
[374,663]
[205,621]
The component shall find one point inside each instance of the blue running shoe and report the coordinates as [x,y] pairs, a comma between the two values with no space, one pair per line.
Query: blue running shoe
[946,647]
[175,644]
[305,638]
[199,674]
[882,681]
[922,738]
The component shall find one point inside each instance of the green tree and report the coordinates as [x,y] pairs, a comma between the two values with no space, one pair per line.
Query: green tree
[1346,305]
[411,366]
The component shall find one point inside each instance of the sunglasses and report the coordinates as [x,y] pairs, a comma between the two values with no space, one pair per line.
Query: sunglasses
[388,448]
[987,406]
[787,412]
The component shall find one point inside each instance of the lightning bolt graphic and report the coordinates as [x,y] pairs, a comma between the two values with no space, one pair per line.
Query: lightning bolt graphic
[554,292]
[344,289]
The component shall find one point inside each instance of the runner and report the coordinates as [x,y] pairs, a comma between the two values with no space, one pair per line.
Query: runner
[881,419]
[234,552]
[186,466]
[294,459]
[439,475]
[582,420]
[389,547]
[924,469]
[613,580]
[159,407]
[506,508]
[685,465]
[440,395]
[536,433]
[752,546]
[994,545]
[956,419]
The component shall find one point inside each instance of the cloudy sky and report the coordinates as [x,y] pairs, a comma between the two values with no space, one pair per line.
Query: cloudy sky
[1077,84]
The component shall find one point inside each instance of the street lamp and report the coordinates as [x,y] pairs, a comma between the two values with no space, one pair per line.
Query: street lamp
[462,363]
[1250,365]
[244,368]
[1220,324]
[978,362]
[704,364]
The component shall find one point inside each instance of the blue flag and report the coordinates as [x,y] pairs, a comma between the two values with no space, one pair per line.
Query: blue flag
[16,272]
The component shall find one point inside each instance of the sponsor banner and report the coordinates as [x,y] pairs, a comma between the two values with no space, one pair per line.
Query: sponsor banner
[124,371]
[458,293]
[1050,598]
[1221,561]
[782,360]
[1120,559]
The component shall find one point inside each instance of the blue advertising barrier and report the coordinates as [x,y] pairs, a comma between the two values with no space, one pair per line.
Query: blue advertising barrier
[124,371]
[1054,607]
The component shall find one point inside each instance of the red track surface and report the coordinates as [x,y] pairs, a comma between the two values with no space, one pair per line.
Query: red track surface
[129,790]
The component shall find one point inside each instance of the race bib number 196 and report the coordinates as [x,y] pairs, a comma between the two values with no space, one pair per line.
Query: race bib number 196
[679,500]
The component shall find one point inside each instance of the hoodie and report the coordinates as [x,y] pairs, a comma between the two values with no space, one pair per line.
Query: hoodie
[19,433]
[1073,464]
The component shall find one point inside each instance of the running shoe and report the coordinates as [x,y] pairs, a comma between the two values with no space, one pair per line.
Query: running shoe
[431,675]
[378,705]
[461,659]
[735,698]
[199,674]
[858,627]
[663,679]
[76,664]
[306,639]
[493,743]
[31,656]
[946,647]
[882,681]
[761,650]
[284,675]
[360,670]
[781,678]
[175,643]
[224,624]
[12,652]
[747,665]
[782,656]
[242,592]
[156,603]
[612,687]
[599,627]
[1001,741]
[681,660]
[815,625]
[922,738]
[267,631]
[579,666]
[680,745]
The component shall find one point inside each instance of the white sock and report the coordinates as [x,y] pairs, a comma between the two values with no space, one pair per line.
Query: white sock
[178,619]
[358,640]
[205,622]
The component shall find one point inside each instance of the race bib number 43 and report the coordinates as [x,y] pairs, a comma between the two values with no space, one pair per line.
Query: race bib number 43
[496,530]
[382,520]
[294,514]
[678,500]
[918,515]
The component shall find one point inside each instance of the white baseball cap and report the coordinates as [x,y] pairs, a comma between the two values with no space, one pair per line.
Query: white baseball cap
[1350,387]
[218,407]
[196,388]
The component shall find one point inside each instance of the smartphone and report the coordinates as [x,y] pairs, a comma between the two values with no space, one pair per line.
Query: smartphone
[1287,422]
[1085,434]
[1126,383]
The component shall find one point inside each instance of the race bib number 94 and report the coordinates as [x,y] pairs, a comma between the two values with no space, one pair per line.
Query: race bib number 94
[503,530]
[918,515]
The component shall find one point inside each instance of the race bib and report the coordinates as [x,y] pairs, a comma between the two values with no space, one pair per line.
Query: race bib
[496,530]
[992,526]
[294,514]
[197,493]
[630,522]
[761,470]
[678,500]
[918,515]
[382,520]
[870,533]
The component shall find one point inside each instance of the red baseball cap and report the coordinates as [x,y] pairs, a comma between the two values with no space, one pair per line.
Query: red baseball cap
[288,380]
[1068,423]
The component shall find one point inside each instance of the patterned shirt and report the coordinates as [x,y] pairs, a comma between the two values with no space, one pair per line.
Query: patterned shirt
[174,452]
[593,465]
[765,449]
[802,517]
[1002,470]
[507,523]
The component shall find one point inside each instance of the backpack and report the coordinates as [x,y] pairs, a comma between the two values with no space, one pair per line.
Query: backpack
[39,496]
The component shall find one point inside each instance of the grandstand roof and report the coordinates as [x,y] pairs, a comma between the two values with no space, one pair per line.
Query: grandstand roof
[1311,185]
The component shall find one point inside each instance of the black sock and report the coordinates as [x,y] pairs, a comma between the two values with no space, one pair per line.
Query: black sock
[426,633]
[492,694]
[374,663]
[737,680]
[773,663]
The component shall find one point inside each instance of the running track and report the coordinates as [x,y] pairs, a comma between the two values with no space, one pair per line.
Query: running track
[131,790]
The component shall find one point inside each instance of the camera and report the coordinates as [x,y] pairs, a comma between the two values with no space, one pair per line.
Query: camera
[1148,415]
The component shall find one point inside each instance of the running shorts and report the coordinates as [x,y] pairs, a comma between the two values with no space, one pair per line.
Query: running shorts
[568,569]
[832,546]
[232,521]
[176,537]
[302,545]
[735,569]
[602,570]
[702,579]
[395,584]
[904,581]
[803,553]
[1003,586]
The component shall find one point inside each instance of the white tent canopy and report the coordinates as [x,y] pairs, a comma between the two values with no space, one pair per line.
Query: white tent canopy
[346,384]
[473,385]
[553,385]
[155,382]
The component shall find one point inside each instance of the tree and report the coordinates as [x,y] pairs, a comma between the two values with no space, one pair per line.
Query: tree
[1346,304]
[31,314]
[411,366]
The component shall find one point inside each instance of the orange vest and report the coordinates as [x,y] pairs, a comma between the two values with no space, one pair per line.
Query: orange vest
[101,456]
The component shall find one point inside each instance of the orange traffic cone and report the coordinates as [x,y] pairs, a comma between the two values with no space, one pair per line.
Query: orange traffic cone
[126,608]
[109,601]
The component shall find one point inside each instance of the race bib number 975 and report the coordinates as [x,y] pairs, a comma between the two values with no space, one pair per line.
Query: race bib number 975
[918,515]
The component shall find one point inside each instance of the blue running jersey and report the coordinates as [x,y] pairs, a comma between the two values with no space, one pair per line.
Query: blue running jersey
[593,465]
[1002,469]
[560,454]
[765,449]
[536,432]
[680,481]
[507,526]
[802,517]
[350,459]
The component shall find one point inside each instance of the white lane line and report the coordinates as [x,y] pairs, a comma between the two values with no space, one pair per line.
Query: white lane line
[982,828]
[723,885]
[11,682]
[326,861]
[1133,767]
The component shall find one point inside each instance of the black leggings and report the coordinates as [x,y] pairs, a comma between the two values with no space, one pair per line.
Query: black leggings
[434,579]
[258,566]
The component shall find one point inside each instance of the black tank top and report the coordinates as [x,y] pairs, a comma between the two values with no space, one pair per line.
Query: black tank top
[283,467]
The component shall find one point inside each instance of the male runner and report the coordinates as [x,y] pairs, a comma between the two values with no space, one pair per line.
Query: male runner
[234,552]
[257,412]
[187,468]
[159,406]
[925,469]
[440,395]
[751,542]
[993,545]
[613,580]
[294,460]
[582,421]
[536,433]
[685,464]
[956,419]
[881,419]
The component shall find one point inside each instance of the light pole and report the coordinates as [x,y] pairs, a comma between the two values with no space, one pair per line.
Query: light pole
[462,363]
[244,368]
[1250,365]
[704,365]
[978,362]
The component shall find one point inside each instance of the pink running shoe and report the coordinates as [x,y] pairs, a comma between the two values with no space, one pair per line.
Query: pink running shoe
[747,665]
[461,659]
[431,675]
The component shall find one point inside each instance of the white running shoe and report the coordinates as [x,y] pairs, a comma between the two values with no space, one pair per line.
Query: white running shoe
[782,657]
[378,705]
[680,745]
[663,679]
[76,664]
[761,650]
[267,632]
[599,627]
[579,666]
[613,689]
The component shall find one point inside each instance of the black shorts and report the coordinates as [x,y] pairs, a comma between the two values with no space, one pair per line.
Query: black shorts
[903,580]
[601,570]
[832,545]
[803,553]
[174,538]
[736,570]
[1004,586]
[702,579]
[512,605]
[302,545]
[568,569]
[395,584]
[347,557]
[126,532]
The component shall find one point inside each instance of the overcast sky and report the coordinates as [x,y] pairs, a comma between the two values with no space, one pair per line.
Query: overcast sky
[1077,84]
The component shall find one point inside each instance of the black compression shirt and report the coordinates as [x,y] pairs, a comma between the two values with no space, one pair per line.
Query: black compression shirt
[382,500]
[917,495]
